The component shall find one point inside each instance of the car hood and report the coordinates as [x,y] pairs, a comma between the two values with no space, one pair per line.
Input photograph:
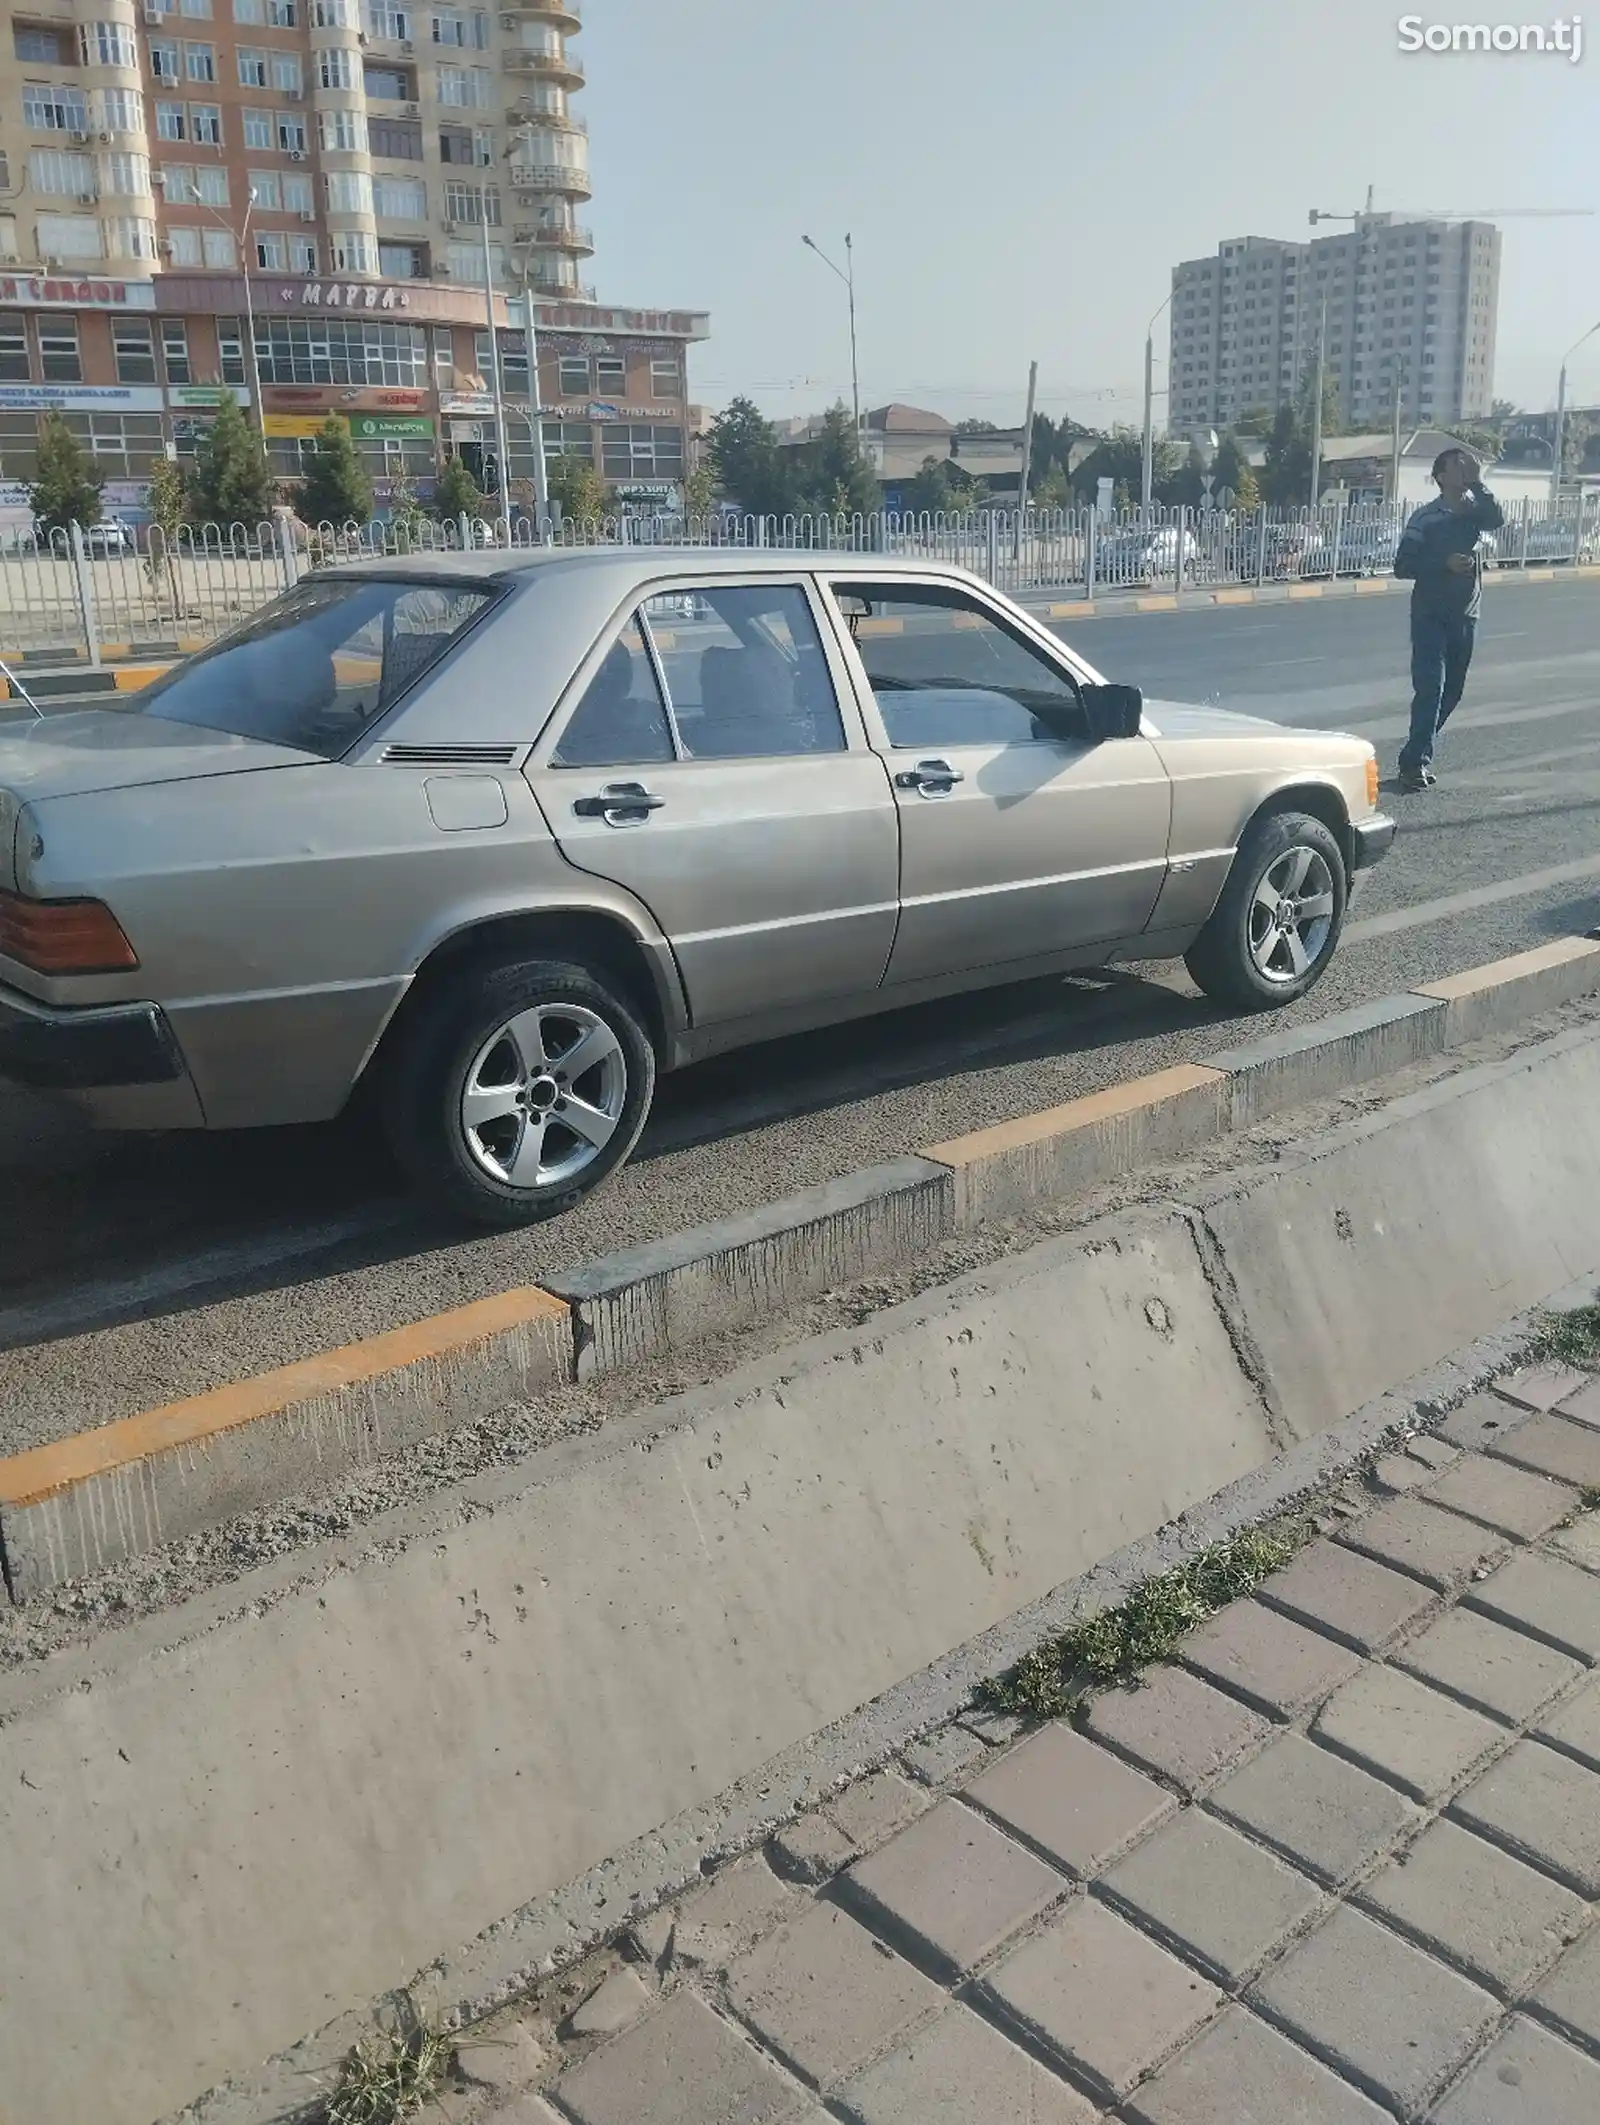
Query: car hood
[99,749]
[1182,719]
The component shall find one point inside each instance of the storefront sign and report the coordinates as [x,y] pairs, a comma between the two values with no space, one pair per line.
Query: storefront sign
[589,317]
[373,426]
[73,398]
[465,402]
[341,398]
[48,294]
[294,424]
[206,394]
[583,409]
[599,411]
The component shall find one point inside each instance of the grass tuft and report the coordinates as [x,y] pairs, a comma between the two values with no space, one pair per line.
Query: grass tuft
[1114,1645]
[388,2079]
[1571,1338]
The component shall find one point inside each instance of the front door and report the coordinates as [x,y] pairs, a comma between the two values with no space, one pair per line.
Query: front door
[708,769]
[1015,842]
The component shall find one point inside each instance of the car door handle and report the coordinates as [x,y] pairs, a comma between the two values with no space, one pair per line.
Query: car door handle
[930,778]
[619,804]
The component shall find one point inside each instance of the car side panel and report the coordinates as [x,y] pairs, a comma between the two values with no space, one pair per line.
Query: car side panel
[284,914]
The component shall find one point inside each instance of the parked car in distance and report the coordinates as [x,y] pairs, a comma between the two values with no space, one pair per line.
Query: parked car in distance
[109,536]
[494,837]
[1143,553]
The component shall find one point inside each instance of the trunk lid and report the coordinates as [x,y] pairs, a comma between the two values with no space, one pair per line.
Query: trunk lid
[73,754]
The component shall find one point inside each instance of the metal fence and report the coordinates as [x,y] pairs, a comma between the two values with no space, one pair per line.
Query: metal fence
[106,592]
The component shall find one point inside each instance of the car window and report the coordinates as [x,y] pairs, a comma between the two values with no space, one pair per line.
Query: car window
[943,671]
[746,674]
[317,667]
[620,722]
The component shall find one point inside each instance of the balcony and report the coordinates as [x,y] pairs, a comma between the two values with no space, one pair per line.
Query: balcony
[557,177]
[564,14]
[521,114]
[572,237]
[563,291]
[543,66]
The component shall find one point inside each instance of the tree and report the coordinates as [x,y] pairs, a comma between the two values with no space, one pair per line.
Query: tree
[456,493]
[1247,488]
[1232,473]
[700,489]
[1054,490]
[1256,422]
[578,489]
[932,490]
[1185,488]
[1501,410]
[67,490]
[836,479]
[747,462]
[230,483]
[1286,476]
[165,502]
[977,428]
[406,514]
[1120,458]
[335,488]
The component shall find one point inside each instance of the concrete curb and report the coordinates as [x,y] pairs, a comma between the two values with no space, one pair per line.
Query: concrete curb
[99,1496]
[114,1492]
[118,679]
[1129,603]
[647,1300]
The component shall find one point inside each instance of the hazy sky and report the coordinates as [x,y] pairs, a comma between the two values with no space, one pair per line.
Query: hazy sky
[1019,178]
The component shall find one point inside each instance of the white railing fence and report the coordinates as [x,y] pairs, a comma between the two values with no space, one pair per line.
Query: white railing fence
[104,593]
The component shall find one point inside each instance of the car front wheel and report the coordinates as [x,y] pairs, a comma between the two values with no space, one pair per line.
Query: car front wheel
[1276,926]
[516,1090]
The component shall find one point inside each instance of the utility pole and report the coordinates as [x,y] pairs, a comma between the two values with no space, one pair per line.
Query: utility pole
[494,370]
[1558,448]
[848,276]
[1147,464]
[541,470]
[1027,436]
[1316,405]
[1394,474]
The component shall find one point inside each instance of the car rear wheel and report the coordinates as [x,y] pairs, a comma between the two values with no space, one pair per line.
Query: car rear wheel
[516,1090]
[1276,926]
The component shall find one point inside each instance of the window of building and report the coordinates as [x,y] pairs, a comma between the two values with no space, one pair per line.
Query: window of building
[287,78]
[134,349]
[631,450]
[69,236]
[125,176]
[13,350]
[399,198]
[467,88]
[354,251]
[465,261]
[49,109]
[183,246]
[339,350]
[385,19]
[175,350]
[396,139]
[270,251]
[336,68]
[461,144]
[471,203]
[200,62]
[454,26]
[260,129]
[302,254]
[666,376]
[40,46]
[401,261]
[205,124]
[59,171]
[349,191]
[297,198]
[108,44]
[283,14]
[610,375]
[250,12]
[200,10]
[345,131]
[336,14]
[59,359]
[266,190]
[291,136]
[166,61]
[252,67]
[573,376]
[217,247]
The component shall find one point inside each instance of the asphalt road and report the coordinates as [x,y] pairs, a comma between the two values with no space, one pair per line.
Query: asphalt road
[206,1258]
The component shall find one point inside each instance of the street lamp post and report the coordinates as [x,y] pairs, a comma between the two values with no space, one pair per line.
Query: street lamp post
[1316,404]
[494,369]
[1559,447]
[1147,470]
[848,276]
[241,237]
[530,336]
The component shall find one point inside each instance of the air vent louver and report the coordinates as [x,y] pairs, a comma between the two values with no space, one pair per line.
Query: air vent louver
[449,755]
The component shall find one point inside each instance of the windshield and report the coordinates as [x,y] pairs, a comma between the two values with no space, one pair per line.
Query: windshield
[319,666]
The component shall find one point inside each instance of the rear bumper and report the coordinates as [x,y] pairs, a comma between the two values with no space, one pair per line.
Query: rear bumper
[86,1049]
[1370,841]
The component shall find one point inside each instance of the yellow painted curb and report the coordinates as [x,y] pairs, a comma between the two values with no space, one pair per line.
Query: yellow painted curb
[1305,590]
[45,1471]
[130,677]
[1375,586]
[1234,597]
[1162,604]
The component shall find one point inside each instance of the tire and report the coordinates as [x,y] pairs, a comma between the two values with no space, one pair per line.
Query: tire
[479,1110]
[1245,956]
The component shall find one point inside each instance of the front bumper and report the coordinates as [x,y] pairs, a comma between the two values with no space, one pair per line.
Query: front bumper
[86,1049]
[1370,841]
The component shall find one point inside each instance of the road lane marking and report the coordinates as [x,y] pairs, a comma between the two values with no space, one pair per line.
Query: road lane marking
[1421,912]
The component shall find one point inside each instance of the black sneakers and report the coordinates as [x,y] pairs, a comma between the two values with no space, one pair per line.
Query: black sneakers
[1413,781]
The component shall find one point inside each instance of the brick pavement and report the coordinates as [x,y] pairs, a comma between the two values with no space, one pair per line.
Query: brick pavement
[1338,1864]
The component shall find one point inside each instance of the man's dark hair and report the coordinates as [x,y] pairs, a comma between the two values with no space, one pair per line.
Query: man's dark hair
[1444,457]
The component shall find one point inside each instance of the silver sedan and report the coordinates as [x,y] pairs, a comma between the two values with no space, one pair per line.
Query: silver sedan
[499,836]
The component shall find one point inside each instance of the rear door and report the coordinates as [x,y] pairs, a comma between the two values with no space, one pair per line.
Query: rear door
[1015,842]
[707,763]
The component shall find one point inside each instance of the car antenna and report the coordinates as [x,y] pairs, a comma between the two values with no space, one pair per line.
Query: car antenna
[18,687]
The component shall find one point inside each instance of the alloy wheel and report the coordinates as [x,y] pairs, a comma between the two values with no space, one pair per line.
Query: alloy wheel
[1291,915]
[544,1096]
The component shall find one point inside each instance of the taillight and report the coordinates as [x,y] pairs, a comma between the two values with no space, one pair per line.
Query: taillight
[63,936]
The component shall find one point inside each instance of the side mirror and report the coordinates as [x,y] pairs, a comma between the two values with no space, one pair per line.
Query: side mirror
[1112,711]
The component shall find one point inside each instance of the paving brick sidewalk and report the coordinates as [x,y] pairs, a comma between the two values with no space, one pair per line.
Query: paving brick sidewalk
[1338,1864]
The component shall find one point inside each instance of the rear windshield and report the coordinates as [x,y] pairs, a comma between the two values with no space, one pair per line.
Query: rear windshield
[319,666]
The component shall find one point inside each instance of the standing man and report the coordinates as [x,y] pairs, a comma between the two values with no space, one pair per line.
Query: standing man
[1439,553]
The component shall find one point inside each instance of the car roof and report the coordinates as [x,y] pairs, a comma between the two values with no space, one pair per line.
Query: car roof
[640,563]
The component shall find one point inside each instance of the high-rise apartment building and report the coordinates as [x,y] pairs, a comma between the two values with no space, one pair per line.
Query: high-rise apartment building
[1408,305]
[354,159]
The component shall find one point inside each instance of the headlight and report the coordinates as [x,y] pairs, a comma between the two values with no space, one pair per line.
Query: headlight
[1372,782]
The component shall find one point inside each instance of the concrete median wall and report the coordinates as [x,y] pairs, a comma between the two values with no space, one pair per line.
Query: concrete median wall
[238,1821]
